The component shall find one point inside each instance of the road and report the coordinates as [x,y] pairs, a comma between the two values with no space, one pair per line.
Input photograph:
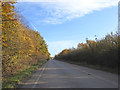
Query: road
[57,74]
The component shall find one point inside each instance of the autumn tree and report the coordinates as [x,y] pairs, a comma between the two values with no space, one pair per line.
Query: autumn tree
[102,52]
[22,46]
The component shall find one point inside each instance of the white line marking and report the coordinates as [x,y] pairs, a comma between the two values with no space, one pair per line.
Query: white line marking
[40,75]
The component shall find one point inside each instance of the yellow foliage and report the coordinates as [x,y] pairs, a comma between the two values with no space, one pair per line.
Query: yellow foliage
[21,46]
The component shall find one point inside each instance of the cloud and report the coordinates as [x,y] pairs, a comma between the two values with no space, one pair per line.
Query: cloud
[56,47]
[59,11]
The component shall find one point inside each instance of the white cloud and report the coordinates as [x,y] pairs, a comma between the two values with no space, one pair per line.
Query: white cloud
[56,47]
[59,11]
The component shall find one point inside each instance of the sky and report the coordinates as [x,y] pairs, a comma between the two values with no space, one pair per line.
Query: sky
[64,24]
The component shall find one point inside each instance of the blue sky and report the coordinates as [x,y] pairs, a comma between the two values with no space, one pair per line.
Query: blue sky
[65,24]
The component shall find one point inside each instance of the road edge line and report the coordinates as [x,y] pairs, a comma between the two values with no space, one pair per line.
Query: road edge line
[43,68]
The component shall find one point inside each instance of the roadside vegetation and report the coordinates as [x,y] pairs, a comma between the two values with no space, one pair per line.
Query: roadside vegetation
[98,54]
[22,47]
[13,80]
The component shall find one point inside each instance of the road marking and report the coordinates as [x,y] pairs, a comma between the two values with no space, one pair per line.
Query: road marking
[40,75]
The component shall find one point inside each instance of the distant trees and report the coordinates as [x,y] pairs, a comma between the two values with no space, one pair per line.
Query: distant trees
[21,46]
[102,52]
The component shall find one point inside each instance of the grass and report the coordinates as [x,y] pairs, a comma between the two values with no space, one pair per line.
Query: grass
[14,80]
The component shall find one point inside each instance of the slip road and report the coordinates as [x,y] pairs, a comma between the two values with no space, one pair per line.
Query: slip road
[57,74]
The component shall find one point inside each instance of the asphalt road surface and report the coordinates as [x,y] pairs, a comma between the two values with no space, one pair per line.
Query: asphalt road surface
[57,74]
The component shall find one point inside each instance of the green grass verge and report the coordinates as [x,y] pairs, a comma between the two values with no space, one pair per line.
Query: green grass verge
[14,80]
